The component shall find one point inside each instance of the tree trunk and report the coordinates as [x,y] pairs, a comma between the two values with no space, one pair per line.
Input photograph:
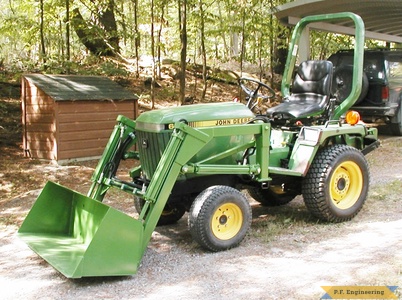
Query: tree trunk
[162,16]
[99,40]
[271,48]
[42,35]
[153,56]
[280,52]
[243,42]
[203,52]
[108,21]
[68,55]
[183,52]
[136,38]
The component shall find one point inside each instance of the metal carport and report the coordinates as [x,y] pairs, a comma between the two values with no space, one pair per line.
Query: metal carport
[382,18]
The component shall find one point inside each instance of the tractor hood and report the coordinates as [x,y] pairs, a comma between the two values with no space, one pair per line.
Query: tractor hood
[197,115]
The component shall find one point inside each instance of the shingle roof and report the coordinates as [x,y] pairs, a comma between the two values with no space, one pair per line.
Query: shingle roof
[73,87]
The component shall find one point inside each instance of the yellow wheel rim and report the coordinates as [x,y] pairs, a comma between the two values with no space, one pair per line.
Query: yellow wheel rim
[227,221]
[346,185]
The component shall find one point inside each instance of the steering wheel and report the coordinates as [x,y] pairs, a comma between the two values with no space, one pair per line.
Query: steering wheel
[252,88]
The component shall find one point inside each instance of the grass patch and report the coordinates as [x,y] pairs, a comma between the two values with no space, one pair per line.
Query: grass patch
[289,219]
[390,191]
[267,228]
[294,221]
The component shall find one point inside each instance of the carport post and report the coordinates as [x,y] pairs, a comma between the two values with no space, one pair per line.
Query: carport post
[304,45]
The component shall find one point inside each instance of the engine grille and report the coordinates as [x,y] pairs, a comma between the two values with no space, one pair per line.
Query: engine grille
[150,146]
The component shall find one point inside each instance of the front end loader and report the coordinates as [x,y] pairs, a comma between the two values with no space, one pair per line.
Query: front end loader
[197,159]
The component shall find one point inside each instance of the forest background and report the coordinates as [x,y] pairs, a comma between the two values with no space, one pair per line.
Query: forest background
[117,37]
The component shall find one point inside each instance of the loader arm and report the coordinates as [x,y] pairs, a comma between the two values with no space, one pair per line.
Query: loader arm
[121,139]
[183,145]
[81,236]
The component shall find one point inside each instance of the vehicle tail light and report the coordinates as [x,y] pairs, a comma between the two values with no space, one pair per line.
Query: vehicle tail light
[352,117]
[385,93]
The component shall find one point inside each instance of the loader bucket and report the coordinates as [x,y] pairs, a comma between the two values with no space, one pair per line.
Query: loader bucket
[80,236]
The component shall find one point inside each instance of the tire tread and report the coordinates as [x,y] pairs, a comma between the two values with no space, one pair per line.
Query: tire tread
[314,184]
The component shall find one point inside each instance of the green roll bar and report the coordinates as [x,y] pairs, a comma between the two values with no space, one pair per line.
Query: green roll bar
[357,58]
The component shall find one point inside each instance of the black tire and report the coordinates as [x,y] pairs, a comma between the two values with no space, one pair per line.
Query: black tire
[342,84]
[219,218]
[336,184]
[268,197]
[170,214]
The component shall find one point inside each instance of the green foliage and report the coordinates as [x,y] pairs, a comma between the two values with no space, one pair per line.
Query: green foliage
[245,31]
[20,34]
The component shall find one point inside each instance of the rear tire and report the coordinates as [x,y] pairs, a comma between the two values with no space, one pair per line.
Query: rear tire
[219,218]
[170,214]
[268,197]
[336,184]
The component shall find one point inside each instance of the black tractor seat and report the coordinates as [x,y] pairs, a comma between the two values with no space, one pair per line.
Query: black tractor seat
[311,93]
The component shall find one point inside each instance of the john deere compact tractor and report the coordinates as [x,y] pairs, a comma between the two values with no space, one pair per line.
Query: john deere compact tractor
[198,158]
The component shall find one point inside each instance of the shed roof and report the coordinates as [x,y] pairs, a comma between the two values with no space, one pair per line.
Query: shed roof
[73,87]
[382,18]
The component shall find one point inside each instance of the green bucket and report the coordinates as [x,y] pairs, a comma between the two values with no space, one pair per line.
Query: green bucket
[82,237]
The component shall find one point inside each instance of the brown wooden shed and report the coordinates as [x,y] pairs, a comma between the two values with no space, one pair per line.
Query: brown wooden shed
[71,117]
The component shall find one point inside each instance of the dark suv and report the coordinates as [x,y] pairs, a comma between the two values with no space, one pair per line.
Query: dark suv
[381,95]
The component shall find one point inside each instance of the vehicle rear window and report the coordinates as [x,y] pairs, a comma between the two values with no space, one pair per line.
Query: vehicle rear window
[372,65]
[395,66]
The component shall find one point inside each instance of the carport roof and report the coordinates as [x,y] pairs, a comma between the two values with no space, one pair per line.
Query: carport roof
[382,18]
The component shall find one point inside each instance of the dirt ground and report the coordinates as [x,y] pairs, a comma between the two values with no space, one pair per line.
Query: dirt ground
[286,255]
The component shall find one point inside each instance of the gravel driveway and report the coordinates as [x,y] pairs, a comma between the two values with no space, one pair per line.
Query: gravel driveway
[291,263]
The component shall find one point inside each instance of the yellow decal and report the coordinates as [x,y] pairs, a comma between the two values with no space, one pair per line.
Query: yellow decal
[212,123]
[360,292]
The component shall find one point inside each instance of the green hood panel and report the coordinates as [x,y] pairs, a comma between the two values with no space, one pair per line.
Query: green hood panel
[196,115]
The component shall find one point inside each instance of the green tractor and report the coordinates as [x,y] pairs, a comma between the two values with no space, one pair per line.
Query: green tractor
[197,158]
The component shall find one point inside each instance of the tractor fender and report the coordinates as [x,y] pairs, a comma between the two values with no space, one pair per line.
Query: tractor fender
[302,157]
[311,139]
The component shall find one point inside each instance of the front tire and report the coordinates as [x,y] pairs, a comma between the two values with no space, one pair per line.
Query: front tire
[219,218]
[336,185]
